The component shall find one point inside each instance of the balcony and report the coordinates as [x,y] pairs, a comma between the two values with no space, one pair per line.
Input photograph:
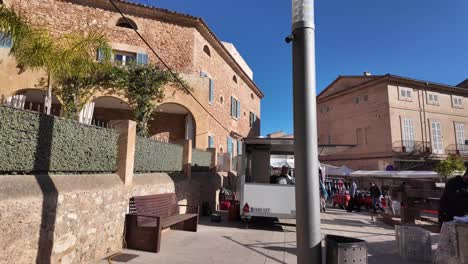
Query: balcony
[410,147]
[457,149]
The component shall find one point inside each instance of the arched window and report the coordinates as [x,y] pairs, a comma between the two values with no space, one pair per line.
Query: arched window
[206,49]
[122,22]
[234,78]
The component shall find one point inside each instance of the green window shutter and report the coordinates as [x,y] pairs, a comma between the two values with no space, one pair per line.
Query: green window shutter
[239,148]
[100,54]
[142,58]
[253,119]
[238,109]
[229,145]
[210,142]
[5,40]
[233,106]
[211,91]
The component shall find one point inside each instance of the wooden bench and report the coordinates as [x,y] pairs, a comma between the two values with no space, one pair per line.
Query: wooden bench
[149,215]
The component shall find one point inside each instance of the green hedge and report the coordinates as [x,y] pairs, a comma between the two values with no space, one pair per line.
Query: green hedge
[32,142]
[153,156]
[201,158]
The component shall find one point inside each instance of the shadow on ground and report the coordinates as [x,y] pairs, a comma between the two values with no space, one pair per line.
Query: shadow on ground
[257,223]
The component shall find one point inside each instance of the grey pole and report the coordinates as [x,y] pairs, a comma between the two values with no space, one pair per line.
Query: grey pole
[309,239]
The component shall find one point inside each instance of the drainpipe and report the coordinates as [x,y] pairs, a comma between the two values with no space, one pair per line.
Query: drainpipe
[422,121]
[425,119]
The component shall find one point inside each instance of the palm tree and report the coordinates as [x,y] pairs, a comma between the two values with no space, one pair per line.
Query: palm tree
[69,61]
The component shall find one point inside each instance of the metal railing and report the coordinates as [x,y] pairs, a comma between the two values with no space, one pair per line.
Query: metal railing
[457,149]
[411,147]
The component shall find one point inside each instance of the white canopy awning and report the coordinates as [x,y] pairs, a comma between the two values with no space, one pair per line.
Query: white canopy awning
[337,171]
[396,174]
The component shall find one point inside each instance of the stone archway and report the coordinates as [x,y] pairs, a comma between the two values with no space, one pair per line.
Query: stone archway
[33,100]
[109,108]
[173,123]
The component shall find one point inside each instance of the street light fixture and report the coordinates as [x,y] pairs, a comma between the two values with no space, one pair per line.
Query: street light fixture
[309,239]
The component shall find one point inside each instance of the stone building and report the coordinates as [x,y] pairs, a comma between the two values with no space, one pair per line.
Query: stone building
[392,122]
[225,105]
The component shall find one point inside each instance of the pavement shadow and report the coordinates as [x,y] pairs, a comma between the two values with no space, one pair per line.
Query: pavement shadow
[49,191]
[258,249]
[256,223]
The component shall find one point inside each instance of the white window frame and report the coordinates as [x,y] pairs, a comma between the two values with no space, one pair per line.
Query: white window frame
[408,133]
[124,55]
[457,101]
[212,139]
[437,139]
[405,93]
[432,98]
[460,137]
[235,110]
[252,119]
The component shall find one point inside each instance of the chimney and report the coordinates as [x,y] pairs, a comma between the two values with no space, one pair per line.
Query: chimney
[367,74]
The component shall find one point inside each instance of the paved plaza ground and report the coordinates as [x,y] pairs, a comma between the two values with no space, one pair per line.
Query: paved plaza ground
[263,242]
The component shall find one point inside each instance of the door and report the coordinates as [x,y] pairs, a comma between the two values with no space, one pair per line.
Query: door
[460,137]
[408,134]
[436,133]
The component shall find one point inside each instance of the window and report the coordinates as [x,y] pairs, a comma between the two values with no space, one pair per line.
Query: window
[457,101]
[357,99]
[221,99]
[365,98]
[460,136]
[124,58]
[239,148]
[432,98]
[436,135]
[235,108]
[126,23]
[234,78]
[211,92]
[5,40]
[405,93]
[229,145]
[142,58]
[252,119]
[211,142]
[207,51]
[408,134]
[324,109]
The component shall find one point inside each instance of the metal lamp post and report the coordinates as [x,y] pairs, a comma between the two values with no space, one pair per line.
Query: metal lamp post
[309,247]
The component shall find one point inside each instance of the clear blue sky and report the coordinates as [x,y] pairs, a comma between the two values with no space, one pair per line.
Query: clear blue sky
[423,39]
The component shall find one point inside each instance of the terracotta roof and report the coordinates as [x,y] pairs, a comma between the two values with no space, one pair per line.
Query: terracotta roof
[461,88]
[463,84]
[186,19]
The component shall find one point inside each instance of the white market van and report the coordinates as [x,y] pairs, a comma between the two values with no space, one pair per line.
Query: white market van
[262,158]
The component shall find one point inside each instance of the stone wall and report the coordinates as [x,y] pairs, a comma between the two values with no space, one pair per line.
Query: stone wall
[179,44]
[73,218]
[168,127]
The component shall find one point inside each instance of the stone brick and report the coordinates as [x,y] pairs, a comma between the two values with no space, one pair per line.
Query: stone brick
[179,44]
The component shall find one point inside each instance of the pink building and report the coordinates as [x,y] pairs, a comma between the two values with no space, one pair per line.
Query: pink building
[392,121]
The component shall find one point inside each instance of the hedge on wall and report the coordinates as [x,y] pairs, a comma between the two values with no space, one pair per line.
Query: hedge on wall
[153,156]
[32,142]
[201,158]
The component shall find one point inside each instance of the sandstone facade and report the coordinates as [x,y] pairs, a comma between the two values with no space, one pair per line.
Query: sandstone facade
[182,42]
[368,112]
